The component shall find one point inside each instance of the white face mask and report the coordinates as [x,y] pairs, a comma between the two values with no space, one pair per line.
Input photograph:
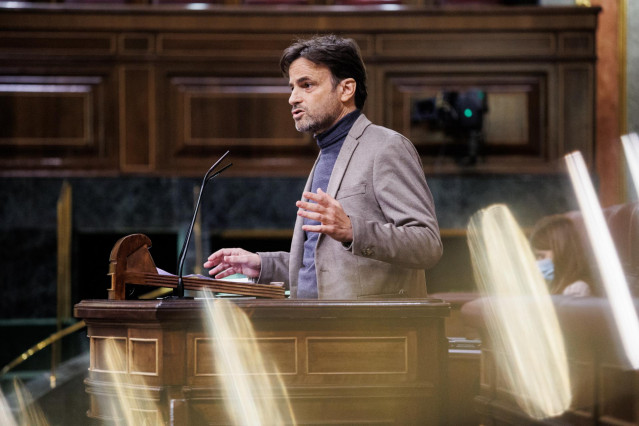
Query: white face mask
[547,268]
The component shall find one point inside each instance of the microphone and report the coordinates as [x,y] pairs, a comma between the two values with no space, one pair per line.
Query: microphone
[179,290]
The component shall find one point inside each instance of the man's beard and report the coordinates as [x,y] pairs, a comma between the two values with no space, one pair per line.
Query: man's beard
[316,124]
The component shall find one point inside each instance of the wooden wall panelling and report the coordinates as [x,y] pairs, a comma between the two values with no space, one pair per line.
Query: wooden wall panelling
[525,87]
[62,44]
[576,44]
[552,114]
[242,46]
[237,102]
[576,90]
[516,127]
[234,112]
[136,44]
[219,107]
[181,86]
[576,105]
[466,45]
[137,118]
[57,113]
[60,120]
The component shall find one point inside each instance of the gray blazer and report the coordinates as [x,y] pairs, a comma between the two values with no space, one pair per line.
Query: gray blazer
[379,180]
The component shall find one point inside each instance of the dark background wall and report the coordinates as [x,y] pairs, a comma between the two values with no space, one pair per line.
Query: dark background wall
[104,209]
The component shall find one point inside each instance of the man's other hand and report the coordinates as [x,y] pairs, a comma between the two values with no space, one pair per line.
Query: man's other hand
[334,222]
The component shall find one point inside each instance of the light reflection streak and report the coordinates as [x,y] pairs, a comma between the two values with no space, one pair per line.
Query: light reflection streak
[612,275]
[27,411]
[519,314]
[6,418]
[133,404]
[631,149]
[254,392]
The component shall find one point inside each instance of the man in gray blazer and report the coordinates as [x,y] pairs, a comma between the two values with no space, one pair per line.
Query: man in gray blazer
[366,225]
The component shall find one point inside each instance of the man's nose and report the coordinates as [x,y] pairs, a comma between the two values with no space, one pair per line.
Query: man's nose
[294,98]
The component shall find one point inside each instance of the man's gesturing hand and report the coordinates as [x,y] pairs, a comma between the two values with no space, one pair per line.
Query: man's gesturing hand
[227,262]
[334,222]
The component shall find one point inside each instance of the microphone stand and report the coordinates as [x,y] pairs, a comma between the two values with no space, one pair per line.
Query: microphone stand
[179,290]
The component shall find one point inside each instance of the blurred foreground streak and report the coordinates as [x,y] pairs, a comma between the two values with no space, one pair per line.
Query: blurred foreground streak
[624,316]
[519,314]
[254,391]
[19,409]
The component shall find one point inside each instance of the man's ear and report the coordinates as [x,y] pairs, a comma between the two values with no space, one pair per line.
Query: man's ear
[348,89]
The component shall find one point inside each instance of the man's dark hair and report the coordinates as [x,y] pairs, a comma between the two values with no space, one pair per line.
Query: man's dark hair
[340,55]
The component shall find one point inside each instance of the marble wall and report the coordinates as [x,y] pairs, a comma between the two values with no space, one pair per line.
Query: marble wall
[106,208]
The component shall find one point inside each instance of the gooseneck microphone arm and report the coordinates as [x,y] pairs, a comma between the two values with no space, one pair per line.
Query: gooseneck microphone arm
[179,290]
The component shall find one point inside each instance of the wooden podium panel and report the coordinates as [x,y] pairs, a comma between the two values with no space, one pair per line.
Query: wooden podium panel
[343,362]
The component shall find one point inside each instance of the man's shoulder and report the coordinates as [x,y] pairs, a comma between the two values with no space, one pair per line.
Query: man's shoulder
[385,131]
[364,128]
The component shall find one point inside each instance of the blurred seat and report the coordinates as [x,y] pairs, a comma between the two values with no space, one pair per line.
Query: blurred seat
[604,388]
[623,223]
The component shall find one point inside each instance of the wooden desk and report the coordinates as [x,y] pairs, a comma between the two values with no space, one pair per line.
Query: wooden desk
[382,362]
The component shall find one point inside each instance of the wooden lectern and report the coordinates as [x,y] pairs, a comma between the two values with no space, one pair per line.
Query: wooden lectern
[131,263]
[342,362]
